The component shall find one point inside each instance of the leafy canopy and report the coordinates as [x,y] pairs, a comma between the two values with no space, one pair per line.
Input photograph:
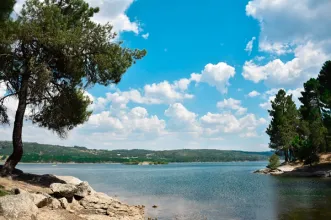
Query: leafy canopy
[59,51]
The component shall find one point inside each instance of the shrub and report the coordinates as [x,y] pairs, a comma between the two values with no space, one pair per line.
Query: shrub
[273,162]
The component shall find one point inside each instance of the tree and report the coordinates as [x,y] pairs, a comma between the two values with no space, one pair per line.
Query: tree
[311,112]
[6,8]
[56,53]
[274,162]
[282,128]
[324,79]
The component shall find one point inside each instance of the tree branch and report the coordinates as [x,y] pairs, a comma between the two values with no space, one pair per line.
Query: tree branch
[6,96]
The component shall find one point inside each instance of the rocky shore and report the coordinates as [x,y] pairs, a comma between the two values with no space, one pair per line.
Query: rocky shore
[299,170]
[49,197]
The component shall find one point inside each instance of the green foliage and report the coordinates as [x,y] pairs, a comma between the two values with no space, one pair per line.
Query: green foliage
[51,153]
[4,192]
[58,52]
[274,162]
[6,7]
[283,125]
[306,132]
[324,79]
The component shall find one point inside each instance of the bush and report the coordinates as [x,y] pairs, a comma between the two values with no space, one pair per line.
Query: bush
[274,162]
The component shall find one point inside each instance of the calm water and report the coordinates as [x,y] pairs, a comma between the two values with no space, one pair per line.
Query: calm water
[204,190]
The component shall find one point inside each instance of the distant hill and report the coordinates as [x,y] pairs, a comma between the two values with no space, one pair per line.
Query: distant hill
[34,152]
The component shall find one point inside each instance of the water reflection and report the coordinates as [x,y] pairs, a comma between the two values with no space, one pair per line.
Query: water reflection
[300,199]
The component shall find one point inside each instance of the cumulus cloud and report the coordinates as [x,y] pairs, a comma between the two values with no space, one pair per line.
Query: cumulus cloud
[182,119]
[284,22]
[306,64]
[249,46]
[253,94]
[228,123]
[217,75]
[291,27]
[270,95]
[232,104]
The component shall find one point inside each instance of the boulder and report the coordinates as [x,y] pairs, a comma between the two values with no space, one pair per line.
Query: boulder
[70,179]
[54,204]
[83,189]
[64,203]
[100,203]
[74,205]
[18,207]
[40,200]
[63,190]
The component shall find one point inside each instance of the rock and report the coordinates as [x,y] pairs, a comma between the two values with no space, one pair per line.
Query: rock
[19,191]
[96,217]
[101,203]
[54,204]
[70,179]
[83,189]
[20,207]
[320,174]
[64,203]
[63,190]
[61,214]
[74,205]
[40,200]
[97,201]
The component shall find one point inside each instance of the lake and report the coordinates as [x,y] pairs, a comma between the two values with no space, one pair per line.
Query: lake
[194,191]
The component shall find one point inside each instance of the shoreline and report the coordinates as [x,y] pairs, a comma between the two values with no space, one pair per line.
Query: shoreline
[55,163]
[321,170]
[51,197]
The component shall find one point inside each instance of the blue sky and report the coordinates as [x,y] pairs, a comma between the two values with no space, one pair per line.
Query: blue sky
[211,70]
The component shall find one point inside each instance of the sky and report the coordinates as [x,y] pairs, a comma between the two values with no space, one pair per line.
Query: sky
[211,70]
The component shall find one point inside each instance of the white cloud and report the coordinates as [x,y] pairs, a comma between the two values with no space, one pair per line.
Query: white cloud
[253,94]
[270,95]
[295,27]
[306,64]
[217,75]
[167,92]
[182,119]
[249,46]
[275,48]
[232,104]
[145,36]
[228,123]
[290,21]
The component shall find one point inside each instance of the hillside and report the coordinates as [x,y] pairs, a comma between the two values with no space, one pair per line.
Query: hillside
[34,152]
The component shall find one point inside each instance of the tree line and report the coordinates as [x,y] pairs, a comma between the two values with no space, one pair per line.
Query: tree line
[302,133]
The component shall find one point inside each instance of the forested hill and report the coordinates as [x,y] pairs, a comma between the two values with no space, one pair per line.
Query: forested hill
[34,152]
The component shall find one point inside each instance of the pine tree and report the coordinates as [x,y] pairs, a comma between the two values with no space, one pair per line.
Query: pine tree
[283,126]
[52,53]
[312,117]
[324,79]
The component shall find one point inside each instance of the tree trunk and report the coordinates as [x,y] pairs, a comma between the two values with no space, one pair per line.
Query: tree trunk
[286,155]
[17,154]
